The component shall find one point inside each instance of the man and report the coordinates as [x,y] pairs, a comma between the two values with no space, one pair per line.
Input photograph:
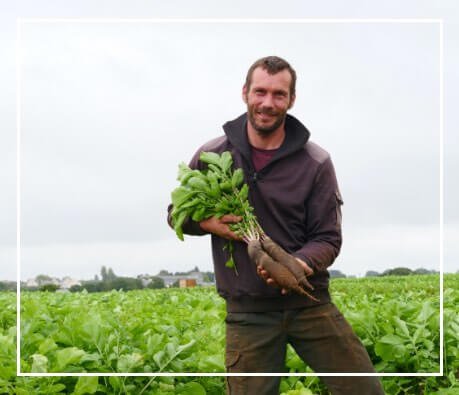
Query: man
[294,191]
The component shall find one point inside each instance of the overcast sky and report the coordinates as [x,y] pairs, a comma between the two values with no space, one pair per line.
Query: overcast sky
[108,110]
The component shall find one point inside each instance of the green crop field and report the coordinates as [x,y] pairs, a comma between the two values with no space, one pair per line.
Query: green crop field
[182,330]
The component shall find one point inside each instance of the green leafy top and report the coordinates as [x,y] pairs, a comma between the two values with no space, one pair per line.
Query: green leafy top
[214,191]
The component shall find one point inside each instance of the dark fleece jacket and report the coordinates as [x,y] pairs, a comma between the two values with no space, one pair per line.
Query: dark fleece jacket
[297,203]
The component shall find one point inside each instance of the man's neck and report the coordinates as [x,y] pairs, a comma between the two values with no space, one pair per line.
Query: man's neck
[271,141]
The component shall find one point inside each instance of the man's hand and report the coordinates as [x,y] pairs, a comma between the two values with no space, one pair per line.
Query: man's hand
[307,269]
[219,226]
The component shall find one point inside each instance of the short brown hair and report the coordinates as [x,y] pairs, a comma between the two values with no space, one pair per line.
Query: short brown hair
[272,64]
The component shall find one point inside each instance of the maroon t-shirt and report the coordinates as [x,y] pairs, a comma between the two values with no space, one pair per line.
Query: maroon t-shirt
[261,157]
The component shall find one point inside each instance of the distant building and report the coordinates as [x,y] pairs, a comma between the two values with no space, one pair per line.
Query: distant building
[198,277]
[65,283]
[39,281]
[145,279]
[187,283]
[51,280]
[68,282]
[31,282]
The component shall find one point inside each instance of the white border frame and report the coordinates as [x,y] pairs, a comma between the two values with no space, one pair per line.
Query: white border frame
[21,21]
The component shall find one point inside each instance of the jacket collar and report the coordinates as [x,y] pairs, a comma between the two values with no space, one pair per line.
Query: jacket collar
[296,136]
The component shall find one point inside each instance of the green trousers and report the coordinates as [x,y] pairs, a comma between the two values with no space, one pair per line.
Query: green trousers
[257,342]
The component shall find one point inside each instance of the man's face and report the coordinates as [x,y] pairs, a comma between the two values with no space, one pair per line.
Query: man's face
[268,99]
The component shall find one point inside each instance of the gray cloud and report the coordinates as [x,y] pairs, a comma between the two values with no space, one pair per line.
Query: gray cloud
[99,145]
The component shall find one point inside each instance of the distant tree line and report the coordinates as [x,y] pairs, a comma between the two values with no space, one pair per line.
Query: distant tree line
[208,277]
[7,286]
[400,271]
[108,281]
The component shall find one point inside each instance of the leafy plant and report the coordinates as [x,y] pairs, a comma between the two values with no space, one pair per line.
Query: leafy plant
[215,191]
[117,330]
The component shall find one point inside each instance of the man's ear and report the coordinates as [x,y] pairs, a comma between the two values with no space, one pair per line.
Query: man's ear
[244,93]
[292,102]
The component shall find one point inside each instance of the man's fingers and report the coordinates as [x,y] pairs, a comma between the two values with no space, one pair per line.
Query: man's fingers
[265,275]
[308,270]
[230,235]
[305,283]
[262,273]
[230,219]
[220,226]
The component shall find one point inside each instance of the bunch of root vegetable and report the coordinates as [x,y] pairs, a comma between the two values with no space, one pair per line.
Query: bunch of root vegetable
[281,266]
[217,191]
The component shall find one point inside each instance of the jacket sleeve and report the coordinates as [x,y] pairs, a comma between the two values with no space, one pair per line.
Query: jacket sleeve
[323,220]
[189,227]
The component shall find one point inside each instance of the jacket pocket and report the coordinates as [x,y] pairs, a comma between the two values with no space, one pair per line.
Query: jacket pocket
[231,359]
[339,203]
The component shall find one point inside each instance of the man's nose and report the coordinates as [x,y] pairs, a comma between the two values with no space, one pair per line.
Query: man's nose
[268,101]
